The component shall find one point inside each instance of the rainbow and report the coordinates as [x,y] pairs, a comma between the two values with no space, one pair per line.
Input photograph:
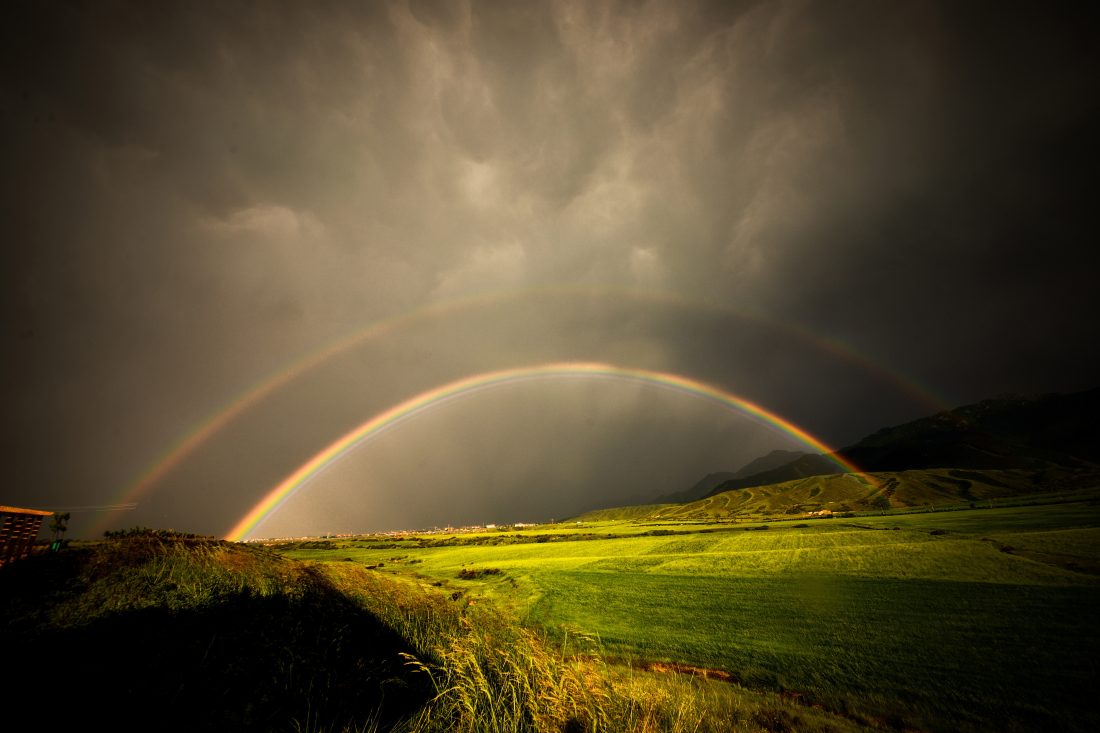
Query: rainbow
[198,435]
[190,441]
[478,382]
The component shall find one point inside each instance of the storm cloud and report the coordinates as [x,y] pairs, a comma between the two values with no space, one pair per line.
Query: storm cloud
[851,213]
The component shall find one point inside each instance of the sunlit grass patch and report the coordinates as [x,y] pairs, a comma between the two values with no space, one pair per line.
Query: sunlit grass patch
[490,674]
[891,619]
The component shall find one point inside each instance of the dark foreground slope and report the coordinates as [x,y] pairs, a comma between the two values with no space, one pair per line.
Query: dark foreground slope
[200,635]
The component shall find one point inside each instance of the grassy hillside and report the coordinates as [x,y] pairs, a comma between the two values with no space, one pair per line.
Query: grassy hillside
[806,465]
[705,486]
[170,633]
[841,493]
[895,621]
[1047,432]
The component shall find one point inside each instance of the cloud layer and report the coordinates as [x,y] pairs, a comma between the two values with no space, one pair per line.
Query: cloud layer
[815,205]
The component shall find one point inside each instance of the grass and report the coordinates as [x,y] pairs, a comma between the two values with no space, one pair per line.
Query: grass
[897,619]
[198,635]
[967,620]
[190,634]
[492,674]
[916,490]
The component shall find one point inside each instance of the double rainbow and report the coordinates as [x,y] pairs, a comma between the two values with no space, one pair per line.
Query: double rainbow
[201,433]
[424,401]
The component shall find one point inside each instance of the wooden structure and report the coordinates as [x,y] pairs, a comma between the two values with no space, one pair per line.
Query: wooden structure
[18,531]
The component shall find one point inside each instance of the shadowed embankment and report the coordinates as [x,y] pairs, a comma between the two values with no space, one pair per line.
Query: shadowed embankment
[194,634]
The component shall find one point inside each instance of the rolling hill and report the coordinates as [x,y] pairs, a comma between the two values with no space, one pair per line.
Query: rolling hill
[994,449]
[707,484]
[808,464]
[1056,432]
[832,494]
[1049,431]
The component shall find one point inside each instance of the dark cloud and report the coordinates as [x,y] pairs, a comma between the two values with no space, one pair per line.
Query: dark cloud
[815,205]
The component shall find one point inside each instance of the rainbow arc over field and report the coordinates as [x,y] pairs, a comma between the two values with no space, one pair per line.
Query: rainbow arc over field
[201,432]
[467,386]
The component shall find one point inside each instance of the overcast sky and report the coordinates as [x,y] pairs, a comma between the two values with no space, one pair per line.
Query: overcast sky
[852,213]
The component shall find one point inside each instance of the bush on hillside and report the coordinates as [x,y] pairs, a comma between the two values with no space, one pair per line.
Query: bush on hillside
[475,573]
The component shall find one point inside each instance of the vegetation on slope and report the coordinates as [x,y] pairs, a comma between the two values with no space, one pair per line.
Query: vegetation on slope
[888,620]
[927,489]
[706,486]
[490,673]
[156,630]
[810,464]
[171,633]
[1048,432]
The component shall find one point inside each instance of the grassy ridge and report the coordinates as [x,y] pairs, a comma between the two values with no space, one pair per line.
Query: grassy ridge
[888,490]
[199,635]
[913,619]
[173,633]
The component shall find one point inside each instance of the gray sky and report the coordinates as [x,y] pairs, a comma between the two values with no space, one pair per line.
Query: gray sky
[847,212]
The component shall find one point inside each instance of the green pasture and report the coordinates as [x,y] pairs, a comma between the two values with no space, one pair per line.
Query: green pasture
[976,619]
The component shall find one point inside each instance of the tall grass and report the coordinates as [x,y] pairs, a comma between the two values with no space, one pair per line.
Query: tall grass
[174,573]
[489,673]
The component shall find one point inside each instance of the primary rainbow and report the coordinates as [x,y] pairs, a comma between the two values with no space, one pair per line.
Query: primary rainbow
[200,433]
[469,385]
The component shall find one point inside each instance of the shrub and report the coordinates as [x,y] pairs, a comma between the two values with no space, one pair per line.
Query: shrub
[475,573]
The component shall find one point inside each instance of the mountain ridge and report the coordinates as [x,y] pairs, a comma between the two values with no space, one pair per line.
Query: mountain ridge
[1007,432]
[706,485]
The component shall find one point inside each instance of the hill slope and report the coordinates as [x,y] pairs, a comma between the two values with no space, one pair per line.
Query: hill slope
[1044,432]
[194,634]
[836,493]
[805,465]
[708,483]
[1049,431]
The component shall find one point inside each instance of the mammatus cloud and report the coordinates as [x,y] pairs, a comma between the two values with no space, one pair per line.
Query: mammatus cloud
[199,196]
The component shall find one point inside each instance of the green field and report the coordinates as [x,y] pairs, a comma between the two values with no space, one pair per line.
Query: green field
[976,619]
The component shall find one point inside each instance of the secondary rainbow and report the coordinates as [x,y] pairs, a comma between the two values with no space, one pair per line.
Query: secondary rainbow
[473,384]
[201,432]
